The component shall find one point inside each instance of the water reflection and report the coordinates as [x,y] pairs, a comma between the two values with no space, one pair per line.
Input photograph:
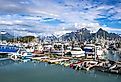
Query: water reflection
[43,72]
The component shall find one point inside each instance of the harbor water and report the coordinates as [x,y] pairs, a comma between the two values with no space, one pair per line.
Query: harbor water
[43,72]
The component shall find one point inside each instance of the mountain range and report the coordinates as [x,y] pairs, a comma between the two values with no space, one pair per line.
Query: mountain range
[85,35]
[79,35]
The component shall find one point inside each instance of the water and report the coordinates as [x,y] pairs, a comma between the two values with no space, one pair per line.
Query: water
[43,72]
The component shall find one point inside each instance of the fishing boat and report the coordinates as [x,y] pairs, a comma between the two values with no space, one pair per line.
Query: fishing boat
[75,52]
[88,65]
[8,49]
[21,54]
[93,51]
[109,67]
[76,65]
[115,68]
[24,54]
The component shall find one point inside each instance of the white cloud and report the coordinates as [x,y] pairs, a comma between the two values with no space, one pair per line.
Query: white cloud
[7,22]
[73,13]
[113,29]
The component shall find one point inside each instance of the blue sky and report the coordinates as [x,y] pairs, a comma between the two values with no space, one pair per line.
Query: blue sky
[46,17]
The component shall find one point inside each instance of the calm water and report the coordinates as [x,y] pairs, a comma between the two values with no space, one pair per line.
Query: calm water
[42,72]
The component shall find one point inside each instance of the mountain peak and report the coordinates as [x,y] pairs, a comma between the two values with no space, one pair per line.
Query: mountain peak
[101,30]
[6,36]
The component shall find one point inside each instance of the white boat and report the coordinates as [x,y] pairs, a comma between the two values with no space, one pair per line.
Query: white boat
[87,65]
[75,52]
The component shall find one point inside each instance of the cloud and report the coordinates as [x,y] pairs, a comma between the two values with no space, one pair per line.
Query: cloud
[57,17]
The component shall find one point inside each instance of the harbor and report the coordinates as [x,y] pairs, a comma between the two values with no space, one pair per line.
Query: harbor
[53,60]
[89,57]
[60,40]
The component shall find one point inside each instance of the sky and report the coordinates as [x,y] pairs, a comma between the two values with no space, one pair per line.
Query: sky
[57,17]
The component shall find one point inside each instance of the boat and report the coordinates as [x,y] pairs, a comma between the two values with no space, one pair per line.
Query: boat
[93,51]
[88,65]
[58,49]
[21,54]
[66,64]
[75,52]
[57,52]
[116,68]
[107,66]
[57,61]
[24,54]
[67,51]
[76,65]
[8,49]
